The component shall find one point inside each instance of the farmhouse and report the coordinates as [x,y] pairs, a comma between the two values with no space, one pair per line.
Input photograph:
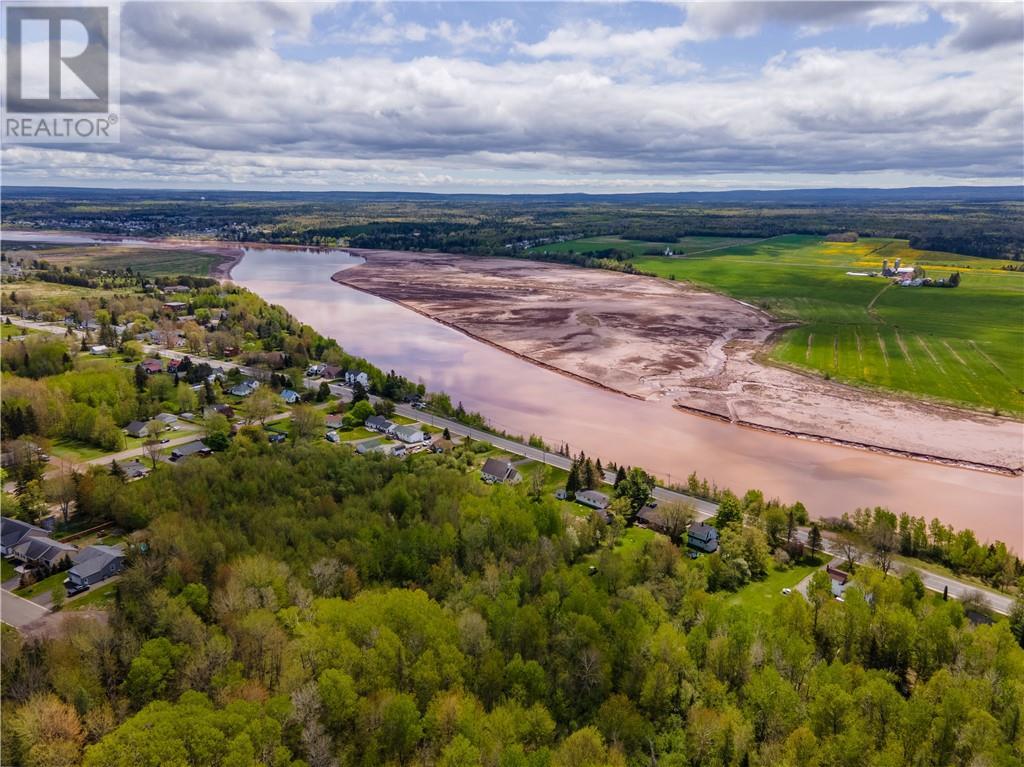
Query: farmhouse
[593,499]
[498,471]
[94,564]
[703,537]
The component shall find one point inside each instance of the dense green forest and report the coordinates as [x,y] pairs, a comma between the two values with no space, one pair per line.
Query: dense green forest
[302,605]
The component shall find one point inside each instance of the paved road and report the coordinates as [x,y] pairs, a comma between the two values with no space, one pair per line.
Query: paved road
[999,603]
[18,612]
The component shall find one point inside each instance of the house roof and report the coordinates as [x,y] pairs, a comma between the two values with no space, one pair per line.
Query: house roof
[135,469]
[378,422]
[42,548]
[593,496]
[702,531]
[289,395]
[167,418]
[13,531]
[191,448]
[92,559]
[135,427]
[494,467]
[334,420]
[837,575]
[407,430]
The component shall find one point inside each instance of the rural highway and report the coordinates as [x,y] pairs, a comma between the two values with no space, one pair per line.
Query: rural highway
[999,603]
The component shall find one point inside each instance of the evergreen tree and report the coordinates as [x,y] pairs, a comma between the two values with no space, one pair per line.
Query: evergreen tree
[620,475]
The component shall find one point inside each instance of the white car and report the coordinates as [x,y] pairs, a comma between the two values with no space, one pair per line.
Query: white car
[787,592]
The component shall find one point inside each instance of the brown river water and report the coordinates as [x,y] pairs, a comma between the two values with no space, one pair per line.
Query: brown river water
[522,398]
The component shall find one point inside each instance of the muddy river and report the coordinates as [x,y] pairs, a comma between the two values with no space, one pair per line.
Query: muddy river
[523,398]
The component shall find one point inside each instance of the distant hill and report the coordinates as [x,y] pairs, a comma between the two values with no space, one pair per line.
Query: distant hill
[827,196]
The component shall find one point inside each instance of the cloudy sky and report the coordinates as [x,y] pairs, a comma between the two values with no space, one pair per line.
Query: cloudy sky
[519,97]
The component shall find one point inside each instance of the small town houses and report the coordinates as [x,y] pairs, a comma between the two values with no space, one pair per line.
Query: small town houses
[33,550]
[496,471]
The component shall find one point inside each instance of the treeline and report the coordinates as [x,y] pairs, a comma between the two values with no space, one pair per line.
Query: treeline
[302,605]
[886,533]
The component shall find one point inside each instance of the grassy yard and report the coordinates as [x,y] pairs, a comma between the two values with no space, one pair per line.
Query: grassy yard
[6,570]
[350,435]
[100,598]
[6,331]
[74,450]
[41,587]
[960,345]
[760,597]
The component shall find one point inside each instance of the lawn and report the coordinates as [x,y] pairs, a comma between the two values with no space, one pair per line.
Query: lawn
[98,598]
[350,435]
[42,587]
[79,451]
[6,331]
[760,597]
[6,571]
[959,345]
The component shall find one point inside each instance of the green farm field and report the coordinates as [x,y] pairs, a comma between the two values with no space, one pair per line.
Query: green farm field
[150,262]
[961,345]
[685,245]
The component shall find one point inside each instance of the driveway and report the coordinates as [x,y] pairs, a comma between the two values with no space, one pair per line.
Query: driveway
[18,612]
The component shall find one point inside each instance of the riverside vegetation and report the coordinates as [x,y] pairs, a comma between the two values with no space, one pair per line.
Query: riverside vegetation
[297,604]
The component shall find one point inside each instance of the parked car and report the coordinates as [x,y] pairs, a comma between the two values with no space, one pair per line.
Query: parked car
[74,588]
[787,592]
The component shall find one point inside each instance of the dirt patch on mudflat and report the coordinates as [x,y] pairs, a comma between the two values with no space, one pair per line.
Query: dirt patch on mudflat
[654,339]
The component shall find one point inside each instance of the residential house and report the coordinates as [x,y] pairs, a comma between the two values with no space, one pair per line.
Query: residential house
[593,499]
[134,469]
[290,397]
[152,366]
[442,445]
[376,445]
[190,449]
[703,537]
[839,579]
[409,434]
[14,531]
[175,307]
[167,419]
[231,351]
[137,429]
[99,350]
[499,471]
[313,371]
[330,372]
[353,377]
[651,518]
[43,552]
[379,423]
[225,410]
[93,565]
[245,388]
[335,421]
